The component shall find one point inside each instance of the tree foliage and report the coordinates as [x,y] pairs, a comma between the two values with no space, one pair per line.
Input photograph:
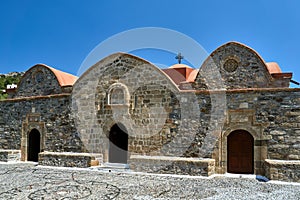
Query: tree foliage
[8,80]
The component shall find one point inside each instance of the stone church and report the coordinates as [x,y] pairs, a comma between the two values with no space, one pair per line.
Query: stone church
[235,114]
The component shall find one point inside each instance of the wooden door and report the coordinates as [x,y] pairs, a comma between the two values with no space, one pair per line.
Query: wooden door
[240,151]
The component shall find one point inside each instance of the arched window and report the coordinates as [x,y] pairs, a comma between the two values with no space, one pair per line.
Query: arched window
[118,94]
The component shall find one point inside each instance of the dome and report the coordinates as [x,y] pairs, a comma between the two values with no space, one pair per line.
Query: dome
[273,68]
[177,66]
[180,73]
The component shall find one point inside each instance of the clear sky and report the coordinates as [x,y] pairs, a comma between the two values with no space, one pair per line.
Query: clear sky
[61,33]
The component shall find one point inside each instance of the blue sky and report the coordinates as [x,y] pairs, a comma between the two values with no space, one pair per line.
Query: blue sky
[61,33]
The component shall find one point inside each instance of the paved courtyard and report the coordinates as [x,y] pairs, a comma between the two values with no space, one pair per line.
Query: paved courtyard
[26,181]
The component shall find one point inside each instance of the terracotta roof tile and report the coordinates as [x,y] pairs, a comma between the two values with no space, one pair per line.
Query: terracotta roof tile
[174,75]
[273,68]
[63,78]
[176,66]
[181,73]
[192,76]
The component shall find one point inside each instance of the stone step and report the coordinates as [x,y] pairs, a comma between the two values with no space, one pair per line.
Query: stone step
[115,165]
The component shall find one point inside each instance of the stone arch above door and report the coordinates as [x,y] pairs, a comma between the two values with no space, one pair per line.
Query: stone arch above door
[242,119]
[34,145]
[32,121]
[118,144]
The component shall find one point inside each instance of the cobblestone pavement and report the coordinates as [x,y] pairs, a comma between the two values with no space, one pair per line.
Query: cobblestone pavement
[26,181]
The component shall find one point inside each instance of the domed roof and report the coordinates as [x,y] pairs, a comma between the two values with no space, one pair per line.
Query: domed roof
[181,73]
[192,75]
[63,78]
[176,66]
[273,68]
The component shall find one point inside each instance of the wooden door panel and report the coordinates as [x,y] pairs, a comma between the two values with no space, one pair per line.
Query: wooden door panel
[240,152]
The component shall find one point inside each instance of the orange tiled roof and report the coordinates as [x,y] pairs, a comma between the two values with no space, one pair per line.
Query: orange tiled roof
[177,66]
[181,73]
[273,68]
[276,72]
[192,75]
[174,75]
[63,78]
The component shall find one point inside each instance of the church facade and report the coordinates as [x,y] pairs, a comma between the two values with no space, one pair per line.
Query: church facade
[235,114]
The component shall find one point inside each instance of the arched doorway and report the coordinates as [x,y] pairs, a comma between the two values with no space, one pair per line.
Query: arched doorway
[118,144]
[34,148]
[240,152]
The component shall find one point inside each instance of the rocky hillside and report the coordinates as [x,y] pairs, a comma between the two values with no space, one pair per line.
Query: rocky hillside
[7,79]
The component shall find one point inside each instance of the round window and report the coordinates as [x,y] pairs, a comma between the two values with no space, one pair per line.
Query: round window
[230,65]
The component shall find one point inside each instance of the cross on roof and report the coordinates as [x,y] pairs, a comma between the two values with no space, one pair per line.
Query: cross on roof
[179,57]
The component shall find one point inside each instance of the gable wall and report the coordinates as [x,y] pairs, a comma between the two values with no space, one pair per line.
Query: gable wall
[30,85]
[251,71]
[150,108]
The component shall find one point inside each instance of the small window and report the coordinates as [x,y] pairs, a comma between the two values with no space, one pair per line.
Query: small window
[117,96]
[230,65]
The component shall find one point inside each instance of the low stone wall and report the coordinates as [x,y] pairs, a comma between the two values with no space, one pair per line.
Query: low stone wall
[172,165]
[283,170]
[10,155]
[58,159]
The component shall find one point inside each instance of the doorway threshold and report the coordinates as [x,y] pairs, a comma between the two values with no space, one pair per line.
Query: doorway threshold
[231,175]
[116,165]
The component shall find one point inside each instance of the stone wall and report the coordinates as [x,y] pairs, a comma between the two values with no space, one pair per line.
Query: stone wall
[159,119]
[54,119]
[276,111]
[57,159]
[10,155]
[150,109]
[172,165]
[283,170]
[271,116]
[279,110]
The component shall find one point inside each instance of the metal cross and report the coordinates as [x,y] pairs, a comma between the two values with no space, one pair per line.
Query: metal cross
[179,57]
